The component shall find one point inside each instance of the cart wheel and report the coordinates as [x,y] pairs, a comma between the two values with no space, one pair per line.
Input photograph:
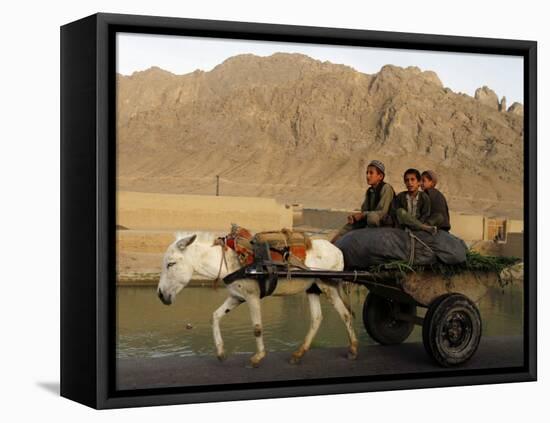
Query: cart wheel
[452,329]
[380,323]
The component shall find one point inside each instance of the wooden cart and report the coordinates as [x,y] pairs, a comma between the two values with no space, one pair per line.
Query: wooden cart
[451,326]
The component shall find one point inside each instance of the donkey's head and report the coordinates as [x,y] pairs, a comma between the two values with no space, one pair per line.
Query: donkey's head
[177,269]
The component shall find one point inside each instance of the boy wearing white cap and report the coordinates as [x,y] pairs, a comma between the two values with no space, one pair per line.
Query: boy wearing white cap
[375,207]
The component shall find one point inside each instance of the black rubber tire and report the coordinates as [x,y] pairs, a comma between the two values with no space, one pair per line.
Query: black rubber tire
[452,330]
[380,323]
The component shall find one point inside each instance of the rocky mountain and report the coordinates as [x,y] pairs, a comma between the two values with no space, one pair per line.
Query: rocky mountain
[300,130]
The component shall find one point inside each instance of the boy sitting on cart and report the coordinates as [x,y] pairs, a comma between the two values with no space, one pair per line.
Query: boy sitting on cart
[412,208]
[439,210]
[375,207]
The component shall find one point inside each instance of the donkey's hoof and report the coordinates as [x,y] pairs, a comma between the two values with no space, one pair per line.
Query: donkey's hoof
[294,359]
[222,356]
[252,364]
[255,360]
[352,356]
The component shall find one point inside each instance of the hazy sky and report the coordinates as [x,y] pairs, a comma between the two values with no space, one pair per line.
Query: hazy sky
[462,72]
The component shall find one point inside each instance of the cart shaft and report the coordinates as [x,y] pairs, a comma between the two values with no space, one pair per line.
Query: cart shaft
[359,276]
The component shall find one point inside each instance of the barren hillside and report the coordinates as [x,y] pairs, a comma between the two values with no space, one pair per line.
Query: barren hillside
[300,130]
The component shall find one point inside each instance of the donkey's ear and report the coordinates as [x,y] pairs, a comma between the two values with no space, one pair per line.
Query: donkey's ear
[182,243]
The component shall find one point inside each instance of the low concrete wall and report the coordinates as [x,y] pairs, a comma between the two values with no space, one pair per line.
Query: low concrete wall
[297,214]
[137,210]
[467,227]
[513,246]
[324,219]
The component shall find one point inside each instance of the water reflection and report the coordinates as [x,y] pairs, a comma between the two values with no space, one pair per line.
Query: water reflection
[147,328]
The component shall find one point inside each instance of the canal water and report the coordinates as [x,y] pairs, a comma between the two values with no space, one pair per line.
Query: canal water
[147,328]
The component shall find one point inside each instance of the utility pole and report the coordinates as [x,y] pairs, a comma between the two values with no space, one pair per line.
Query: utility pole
[217,185]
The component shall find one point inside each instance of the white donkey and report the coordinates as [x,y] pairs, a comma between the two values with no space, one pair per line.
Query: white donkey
[189,257]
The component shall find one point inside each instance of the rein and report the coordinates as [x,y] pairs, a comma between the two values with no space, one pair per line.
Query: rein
[221,243]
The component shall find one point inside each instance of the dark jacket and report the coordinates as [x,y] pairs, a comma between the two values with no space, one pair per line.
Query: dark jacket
[377,203]
[439,206]
[422,205]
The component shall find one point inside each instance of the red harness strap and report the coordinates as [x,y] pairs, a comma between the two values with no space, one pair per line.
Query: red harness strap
[293,249]
[239,241]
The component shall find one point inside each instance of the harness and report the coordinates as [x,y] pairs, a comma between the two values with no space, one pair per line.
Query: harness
[257,252]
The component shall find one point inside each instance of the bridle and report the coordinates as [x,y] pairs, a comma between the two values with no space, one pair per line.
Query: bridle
[222,244]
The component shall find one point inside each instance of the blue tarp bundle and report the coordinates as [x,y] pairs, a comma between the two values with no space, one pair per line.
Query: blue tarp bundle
[366,247]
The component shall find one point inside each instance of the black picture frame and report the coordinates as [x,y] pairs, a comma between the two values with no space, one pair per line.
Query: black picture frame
[88,208]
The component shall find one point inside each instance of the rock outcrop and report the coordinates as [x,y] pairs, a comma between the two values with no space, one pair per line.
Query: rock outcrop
[516,108]
[502,104]
[487,96]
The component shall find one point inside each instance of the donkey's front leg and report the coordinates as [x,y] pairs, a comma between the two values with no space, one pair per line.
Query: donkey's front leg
[256,317]
[229,304]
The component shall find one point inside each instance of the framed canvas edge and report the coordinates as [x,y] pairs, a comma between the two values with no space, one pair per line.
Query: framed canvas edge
[108,24]
[146,400]
[78,219]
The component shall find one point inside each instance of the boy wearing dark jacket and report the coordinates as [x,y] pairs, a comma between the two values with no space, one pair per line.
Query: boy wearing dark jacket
[439,210]
[411,208]
[376,206]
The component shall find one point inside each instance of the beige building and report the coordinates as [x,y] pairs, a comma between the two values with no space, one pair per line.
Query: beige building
[492,235]
[153,211]
[477,227]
